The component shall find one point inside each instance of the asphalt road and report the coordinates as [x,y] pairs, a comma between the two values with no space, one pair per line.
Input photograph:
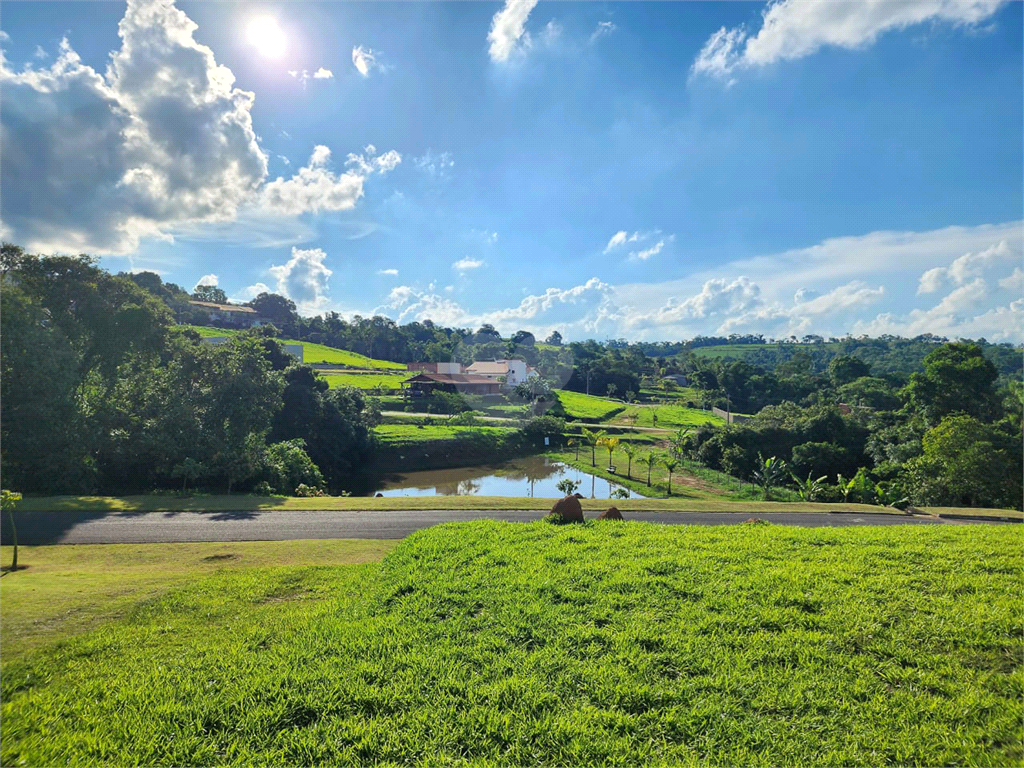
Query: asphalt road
[147,527]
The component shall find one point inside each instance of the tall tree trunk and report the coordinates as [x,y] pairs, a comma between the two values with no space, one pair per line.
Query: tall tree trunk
[14,539]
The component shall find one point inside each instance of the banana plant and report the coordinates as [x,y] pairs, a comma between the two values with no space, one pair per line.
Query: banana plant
[809,490]
[769,474]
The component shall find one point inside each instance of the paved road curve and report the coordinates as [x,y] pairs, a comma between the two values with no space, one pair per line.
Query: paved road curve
[145,527]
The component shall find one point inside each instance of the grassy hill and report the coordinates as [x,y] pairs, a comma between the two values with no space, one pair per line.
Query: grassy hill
[588,407]
[315,353]
[522,644]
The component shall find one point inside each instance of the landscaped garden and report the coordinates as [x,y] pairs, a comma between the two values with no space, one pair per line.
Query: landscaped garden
[490,643]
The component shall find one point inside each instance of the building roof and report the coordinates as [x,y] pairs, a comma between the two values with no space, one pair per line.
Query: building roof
[223,307]
[451,378]
[499,367]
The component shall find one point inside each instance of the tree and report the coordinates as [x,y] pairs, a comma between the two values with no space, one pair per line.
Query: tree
[554,338]
[630,450]
[769,474]
[567,486]
[846,368]
[650,459]
[612,389]
[8,501]
[670,463]
[957,378]
[210,293]
[522,338]
[593,439]
[966,463]
[610,443]
[277,309]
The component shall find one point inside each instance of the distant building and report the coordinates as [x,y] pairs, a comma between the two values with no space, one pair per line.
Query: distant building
[514,372]
[461,383]
[230,314]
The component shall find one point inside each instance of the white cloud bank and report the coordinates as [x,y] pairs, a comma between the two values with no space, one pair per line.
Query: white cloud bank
[160,141]
[792,29]
[508,29]
[303,279]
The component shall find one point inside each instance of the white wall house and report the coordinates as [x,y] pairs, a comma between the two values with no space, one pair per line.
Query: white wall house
[514,371]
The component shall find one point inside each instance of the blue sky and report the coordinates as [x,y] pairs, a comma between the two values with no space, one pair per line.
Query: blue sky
[637,170]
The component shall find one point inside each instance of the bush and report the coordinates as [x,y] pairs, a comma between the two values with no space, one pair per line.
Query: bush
[287,466]
[307,492]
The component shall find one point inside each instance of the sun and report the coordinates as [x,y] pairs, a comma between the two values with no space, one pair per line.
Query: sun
[268,38]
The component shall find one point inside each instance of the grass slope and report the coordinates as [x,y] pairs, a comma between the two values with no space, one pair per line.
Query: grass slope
[365,380]
[503,644]
[314,353]
[67,590]
[403,434]
[669,416]
[589,407]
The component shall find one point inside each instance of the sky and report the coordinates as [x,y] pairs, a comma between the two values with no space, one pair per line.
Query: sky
[647,171]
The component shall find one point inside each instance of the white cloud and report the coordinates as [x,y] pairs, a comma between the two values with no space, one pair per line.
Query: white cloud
[40,52]
[210,280]
[551,32]
[387,271]
[4,36]
[792,29]
[508,29]
[363,59]
[315,187]
[434,164]
[303,279]
[967,266]
[322,74]
[603,28]
[284,159]
[1014,282]
[162,140]
[303,75]
[619,238]
[250,292]
[467,263]
[645,254]
[150,156]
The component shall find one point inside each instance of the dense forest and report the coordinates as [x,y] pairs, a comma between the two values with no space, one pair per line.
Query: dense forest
[104,389]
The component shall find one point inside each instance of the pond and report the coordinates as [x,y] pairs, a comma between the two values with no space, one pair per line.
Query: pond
[534,476]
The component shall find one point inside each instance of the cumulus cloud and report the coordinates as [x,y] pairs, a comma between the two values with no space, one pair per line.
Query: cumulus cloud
[1014,281]
[210,280]
[160,141]
[508,29]
[387,271]
[250,292]
[303,279]
[603,28]
[965,267]
[792,29]
[467,263]
[363,60]
[322,74]
[315,187]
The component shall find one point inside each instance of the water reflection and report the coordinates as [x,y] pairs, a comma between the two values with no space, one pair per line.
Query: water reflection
[534,476]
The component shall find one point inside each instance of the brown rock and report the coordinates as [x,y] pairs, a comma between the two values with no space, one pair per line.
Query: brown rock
[612,513]
[569,509]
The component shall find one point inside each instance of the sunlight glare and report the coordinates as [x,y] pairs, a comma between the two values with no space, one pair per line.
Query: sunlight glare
[268,38]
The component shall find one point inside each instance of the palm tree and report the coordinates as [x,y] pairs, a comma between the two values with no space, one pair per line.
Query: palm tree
[650,459]
[630,450]
[670,463]
[611,443]
[592,439]
[573,442]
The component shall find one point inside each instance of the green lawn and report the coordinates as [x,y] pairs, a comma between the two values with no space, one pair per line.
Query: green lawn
[365,380]
[314,353]
[580,406]
[67,590]
[416,433]
[669,416]
[510,644]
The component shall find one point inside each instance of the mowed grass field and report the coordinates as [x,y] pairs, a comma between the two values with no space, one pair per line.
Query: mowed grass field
[392,434]
[580,406]
[366,380]
[314,353]
[669,416]
[503,644]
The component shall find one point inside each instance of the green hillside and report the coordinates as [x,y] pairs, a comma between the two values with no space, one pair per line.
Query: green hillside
[314,353]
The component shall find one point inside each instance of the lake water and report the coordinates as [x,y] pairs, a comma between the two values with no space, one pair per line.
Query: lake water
[534,476]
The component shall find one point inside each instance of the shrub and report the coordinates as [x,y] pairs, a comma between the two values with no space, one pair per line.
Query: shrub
[307,492]
[287,466]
